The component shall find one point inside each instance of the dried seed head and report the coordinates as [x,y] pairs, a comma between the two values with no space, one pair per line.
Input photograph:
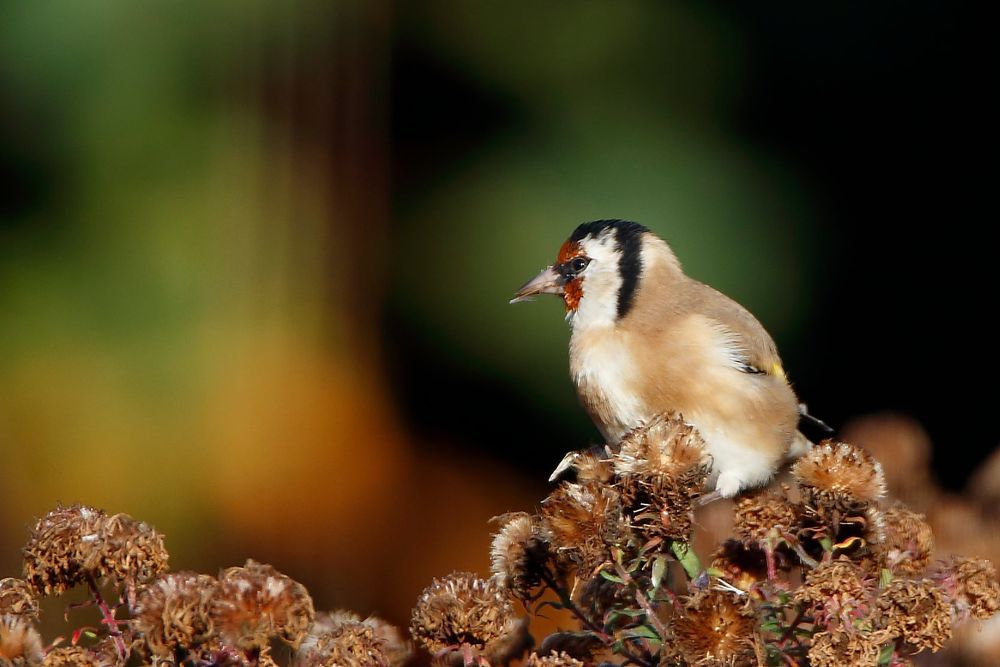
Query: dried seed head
[464,609]
[395,648]
[839,589]
[908,541]
[970,586]
[840,475]
[60,544]
[916,612]
[590,467]
[580,645]
[553,660]
[764,516]
[69,544]
[172,611]
[840,648]
[580,521]
[662,468]
[17,599]
[519,554]
[20,644]
[130,551]
[255,602]
[665,447]
[716,630]
[338,640]
[71,656]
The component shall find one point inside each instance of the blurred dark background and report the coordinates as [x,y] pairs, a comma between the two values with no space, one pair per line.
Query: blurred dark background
[255,257]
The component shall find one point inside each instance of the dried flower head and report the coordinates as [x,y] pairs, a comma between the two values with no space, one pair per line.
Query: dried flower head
[971,587]
[908,541]
[255,602]
[839,475]
[592,467]
[840,648]
[59,546]
[341,642]
[716,630]
[916,612]
[662,468]
[461,610]
[580,521]
[837,590]
[519,554]
[396,649]
[16,598]
[664,447]
[553,660]
[579,645]
[129,550]
[762,517]
[20,645]
[173,611]
[71,656]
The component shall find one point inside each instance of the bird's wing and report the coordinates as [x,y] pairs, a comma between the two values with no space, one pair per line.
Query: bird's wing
[750,346]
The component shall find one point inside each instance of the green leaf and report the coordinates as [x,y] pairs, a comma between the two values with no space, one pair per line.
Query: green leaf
[716,572]
[884,578]
[687,558]
[885,655]
[612,577]
[659,569]
[826,543]
[642,632]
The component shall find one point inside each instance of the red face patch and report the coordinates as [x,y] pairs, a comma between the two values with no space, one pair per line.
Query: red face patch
[573,289]
[568,251]
[572,293]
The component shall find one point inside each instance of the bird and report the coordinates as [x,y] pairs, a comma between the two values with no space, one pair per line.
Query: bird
[647,340]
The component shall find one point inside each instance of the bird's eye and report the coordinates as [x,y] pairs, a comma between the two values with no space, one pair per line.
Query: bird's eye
[579,264]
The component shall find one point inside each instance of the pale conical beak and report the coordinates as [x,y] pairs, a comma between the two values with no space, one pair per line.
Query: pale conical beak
[546,282]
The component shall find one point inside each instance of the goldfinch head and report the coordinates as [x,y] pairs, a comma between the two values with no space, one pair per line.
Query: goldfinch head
[597,272]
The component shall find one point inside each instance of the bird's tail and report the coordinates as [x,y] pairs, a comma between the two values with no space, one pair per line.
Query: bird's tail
[802,444]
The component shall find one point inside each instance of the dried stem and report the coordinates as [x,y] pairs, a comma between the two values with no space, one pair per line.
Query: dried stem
[108,619]
[568,603]
[640,597]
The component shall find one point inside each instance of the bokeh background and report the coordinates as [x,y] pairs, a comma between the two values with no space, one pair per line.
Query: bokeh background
[255,256]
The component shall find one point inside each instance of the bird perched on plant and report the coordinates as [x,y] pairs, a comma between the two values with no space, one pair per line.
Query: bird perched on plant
[648,339]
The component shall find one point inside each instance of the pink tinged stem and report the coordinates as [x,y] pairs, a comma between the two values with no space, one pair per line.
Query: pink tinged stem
[772,573]
[108,619]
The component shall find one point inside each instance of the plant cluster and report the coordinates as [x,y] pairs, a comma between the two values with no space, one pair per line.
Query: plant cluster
[247,616]
[825,573]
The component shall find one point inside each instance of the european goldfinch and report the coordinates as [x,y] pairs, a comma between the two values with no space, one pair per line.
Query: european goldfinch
[648,340]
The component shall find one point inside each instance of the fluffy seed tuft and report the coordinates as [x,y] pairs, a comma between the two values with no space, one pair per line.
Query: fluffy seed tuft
[519,554]
[840,475]
[716,630]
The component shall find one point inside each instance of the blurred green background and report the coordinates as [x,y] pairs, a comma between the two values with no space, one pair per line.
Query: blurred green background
[255,257]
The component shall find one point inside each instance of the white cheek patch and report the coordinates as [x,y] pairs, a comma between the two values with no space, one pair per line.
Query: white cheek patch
[601,283]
